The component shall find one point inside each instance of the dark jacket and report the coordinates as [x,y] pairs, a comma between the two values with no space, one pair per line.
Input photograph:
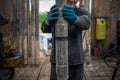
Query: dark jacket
[75,50]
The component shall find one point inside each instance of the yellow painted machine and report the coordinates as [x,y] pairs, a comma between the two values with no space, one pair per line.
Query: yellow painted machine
[9,58]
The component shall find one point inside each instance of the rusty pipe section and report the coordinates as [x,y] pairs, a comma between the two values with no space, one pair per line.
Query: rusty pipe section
[61,34]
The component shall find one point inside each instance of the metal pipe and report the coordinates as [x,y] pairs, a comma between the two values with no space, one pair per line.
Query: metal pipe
[61,43]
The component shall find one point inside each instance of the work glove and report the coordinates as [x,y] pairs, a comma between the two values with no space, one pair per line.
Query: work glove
[69,14]
[53,15]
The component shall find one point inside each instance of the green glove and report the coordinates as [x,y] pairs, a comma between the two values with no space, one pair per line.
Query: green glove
[53,15]
[69,14]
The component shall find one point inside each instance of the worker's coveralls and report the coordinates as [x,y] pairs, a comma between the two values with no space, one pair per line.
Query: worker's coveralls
[76,56]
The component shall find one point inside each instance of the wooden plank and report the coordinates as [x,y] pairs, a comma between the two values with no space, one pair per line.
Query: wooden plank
[19,25]
[24,34]
[105,78]
[25,30]
[28,33]
[45,71]
[32,29]
[28,73]
[36,29]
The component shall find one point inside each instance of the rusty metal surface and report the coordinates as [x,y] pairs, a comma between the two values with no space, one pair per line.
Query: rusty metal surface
[61,34]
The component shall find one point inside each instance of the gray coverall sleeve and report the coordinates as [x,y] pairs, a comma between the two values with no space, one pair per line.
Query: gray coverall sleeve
[82,22]
[45,27]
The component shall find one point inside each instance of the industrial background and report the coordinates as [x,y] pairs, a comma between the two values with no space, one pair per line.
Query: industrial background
[19,34]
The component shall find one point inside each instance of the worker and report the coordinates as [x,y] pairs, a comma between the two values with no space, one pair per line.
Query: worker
[77,22]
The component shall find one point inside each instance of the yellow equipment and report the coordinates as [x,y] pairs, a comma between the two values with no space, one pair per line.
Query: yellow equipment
[100,28]
[12,57]
[13,61]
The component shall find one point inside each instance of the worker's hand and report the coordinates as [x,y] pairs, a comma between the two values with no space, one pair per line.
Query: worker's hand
[69,14]
[53,15]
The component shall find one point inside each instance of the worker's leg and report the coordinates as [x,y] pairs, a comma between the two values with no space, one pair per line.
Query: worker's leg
[76,72]
[53,72]
[80,72]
